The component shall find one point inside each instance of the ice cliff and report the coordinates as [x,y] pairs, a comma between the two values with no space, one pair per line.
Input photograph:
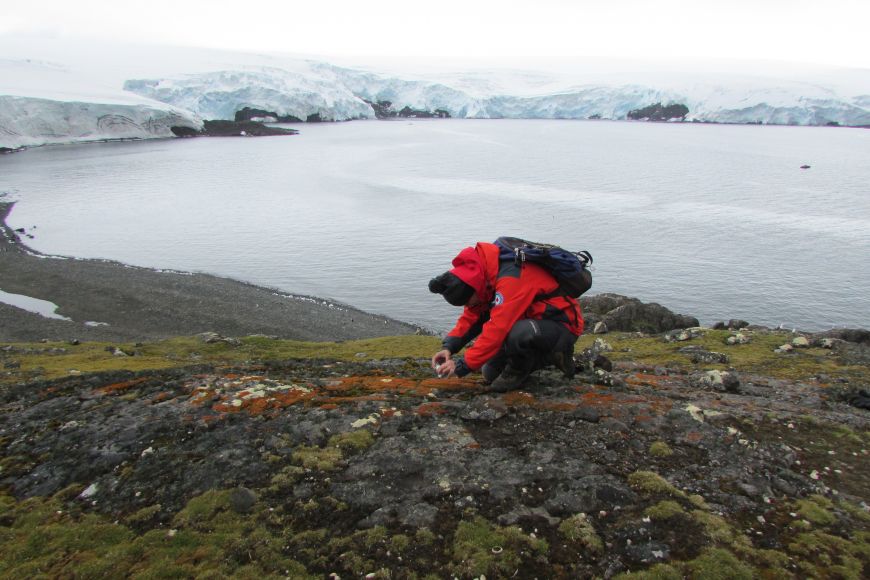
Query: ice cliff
[53,94]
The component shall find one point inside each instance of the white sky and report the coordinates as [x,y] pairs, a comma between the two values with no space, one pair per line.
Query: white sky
[832,32]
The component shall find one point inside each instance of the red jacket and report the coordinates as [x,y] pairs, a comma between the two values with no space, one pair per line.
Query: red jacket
[508,293]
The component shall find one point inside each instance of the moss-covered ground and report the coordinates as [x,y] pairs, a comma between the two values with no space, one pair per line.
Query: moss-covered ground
[52,360]
[273,530]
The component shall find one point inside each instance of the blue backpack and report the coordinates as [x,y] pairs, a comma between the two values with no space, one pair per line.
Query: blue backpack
[570,269]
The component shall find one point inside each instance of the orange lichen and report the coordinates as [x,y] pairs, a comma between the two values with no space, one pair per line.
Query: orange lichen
[519,398]
[694,436]
[639,379]
[597,399]
[162,396]
[212,419]
[430,409]
[118,387]
[360,398]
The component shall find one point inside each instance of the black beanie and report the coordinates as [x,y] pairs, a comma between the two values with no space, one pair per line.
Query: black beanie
[454,290]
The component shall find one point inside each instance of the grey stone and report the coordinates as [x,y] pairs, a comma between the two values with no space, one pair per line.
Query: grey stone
[242,500]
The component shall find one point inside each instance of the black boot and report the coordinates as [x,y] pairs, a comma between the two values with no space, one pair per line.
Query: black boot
[510,379]
[493,367]
[491,371]
[564,361]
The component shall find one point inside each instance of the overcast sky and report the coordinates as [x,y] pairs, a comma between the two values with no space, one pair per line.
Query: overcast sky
[813,31]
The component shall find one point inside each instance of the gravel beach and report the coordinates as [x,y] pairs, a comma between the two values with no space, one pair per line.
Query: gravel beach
[106,300]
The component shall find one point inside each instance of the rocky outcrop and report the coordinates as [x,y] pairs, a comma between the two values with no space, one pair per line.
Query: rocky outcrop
[242,128]
[261,116]
[657,112]
[232,129]
[385,110]
[621,313]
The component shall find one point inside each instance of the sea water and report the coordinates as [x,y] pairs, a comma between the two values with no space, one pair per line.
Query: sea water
[713,221]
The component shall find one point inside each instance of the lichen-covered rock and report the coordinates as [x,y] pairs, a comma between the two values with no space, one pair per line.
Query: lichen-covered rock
[621,313]
[716,380]
[738,338]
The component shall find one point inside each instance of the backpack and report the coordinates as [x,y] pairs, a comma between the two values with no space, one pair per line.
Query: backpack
[569,268]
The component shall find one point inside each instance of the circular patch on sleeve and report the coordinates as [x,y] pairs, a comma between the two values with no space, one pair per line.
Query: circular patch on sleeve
[498,300]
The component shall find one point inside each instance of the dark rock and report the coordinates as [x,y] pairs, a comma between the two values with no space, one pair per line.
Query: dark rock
[385,110]
[587,495]
[851,353]
[181,131]
[647,552]
[861,399]
[249,114]
[587,414]
[621,313]
[657,112]
[418,515]
[602,362]
[522,512]
[702,356]
[733,324]
[242,500]
[856,335]
[222,128]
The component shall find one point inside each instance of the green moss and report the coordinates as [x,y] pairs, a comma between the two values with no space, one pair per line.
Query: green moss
[144,515]
[201,511]
[854,510]
[715,527]
[815,510]
[848,435]
[46,540]
[579,529]
[352,440]
[664,510]
[93,356]
[400,543]
[718,564]
[650,483]
[480,548]
[698,501]
[323,459]
[425,537]
[286,478]
[657,572]
[660,449]
[757,356]
[772,564]
[827,555]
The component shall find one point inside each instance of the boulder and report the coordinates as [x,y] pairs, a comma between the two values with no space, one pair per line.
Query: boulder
[621,313]
[733,324]
[720,381]
[856,335]
[738,338]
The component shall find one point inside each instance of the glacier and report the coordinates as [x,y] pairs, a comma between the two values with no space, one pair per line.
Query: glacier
[42,103]
[59,91]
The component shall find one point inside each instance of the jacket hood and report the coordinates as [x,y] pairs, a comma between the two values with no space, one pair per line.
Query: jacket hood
[468,267]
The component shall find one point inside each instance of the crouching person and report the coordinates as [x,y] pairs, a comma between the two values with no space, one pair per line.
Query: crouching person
[514,312]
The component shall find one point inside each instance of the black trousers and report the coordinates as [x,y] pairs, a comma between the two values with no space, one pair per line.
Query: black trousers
[529,346]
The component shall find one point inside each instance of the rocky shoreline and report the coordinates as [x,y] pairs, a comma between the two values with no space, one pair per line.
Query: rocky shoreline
[112,301]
